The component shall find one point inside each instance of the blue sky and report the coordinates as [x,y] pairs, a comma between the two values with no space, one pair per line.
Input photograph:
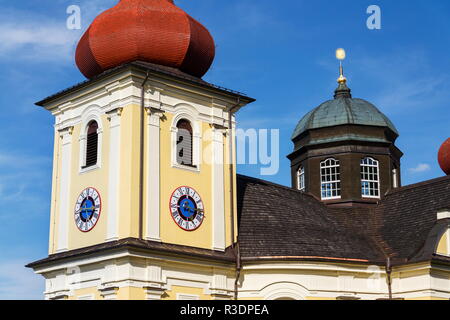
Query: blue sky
[281,53]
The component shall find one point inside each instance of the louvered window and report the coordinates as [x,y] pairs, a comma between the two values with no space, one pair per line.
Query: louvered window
[92,145]
[184,143]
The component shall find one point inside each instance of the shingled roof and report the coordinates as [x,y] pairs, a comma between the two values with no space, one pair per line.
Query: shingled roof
[277,222]
[407,219]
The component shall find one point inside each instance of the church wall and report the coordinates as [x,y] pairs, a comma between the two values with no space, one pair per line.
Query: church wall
[103,100]
[322,281]
[96,178]
[172,178]
[128,275]
[72,114]
[186,293]
[312,281]
[128,225]
[421,281]
[135,276]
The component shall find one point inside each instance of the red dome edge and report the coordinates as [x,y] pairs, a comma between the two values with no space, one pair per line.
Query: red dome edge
[444,157]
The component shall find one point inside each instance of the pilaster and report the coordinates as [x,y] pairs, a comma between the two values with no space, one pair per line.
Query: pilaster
[64,196]
[153,232]
[114,175]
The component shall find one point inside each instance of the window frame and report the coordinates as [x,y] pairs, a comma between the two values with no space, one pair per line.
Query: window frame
[190,114]
[92,113]
[190,130]
[301,181]
[334,170]
[374,172]
[88,128]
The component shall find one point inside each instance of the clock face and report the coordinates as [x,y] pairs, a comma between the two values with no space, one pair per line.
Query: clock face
[186,208]
[88,209]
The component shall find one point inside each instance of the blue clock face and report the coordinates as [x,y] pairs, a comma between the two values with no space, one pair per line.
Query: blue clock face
[87,209]
[186,208]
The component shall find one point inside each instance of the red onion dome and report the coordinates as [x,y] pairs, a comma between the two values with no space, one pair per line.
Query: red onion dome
[444,157]
[155,31]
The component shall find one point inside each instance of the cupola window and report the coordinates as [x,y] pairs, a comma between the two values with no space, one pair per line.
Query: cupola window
[184,143]
[330,179]
[301,179]
[92,144]
[370,178]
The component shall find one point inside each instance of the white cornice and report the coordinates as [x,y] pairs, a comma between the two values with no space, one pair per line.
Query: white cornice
[114,86]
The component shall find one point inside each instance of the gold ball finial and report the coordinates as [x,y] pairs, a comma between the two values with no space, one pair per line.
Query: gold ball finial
[340,54]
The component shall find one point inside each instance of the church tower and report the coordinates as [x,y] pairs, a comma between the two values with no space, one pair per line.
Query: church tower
[143,176]
[344,150]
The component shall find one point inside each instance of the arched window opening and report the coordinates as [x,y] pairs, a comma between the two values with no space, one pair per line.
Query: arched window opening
[301,179]
[370,178]
[92,144]
[330,179]
[184,143]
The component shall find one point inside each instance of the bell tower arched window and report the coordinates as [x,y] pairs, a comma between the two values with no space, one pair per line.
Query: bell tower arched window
[184,152]
[330,176]
[370,178]
[92,144]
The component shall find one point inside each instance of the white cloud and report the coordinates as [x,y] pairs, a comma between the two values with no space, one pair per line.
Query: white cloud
[25,35]
[422,167]
[407,80]
[19,283]
[28,36]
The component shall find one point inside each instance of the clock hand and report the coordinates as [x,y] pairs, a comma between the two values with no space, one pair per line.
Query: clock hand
[186,206]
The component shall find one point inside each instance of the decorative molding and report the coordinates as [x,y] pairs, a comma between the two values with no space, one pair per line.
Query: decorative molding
[292,280]
[219,290]
[109,292]
[153,216]
[113,114]
[112,233]
[218,189]
[185,111]
[64,190]
[183,296]
[89,169]
[443,214]
[91,113]
[110,88]
[59,295]
[284,290]
[154,291]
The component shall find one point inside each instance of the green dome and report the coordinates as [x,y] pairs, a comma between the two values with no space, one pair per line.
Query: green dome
[341,111]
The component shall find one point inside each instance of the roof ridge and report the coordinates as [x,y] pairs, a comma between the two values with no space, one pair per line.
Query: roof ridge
[277,185]
[418,184]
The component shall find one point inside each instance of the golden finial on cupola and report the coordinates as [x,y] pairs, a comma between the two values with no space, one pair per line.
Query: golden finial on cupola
[342,91]
[340,55]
